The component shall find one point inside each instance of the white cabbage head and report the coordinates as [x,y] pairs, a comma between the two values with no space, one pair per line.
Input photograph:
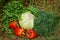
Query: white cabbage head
[27,20]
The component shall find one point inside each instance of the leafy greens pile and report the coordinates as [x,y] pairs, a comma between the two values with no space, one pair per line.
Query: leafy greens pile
[11,11]
[45,22]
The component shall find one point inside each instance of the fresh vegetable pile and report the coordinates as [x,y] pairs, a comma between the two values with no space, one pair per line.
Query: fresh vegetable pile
[28,21]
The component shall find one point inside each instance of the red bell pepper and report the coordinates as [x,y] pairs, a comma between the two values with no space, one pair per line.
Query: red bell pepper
[13,24]
[19,31]
[31,34]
